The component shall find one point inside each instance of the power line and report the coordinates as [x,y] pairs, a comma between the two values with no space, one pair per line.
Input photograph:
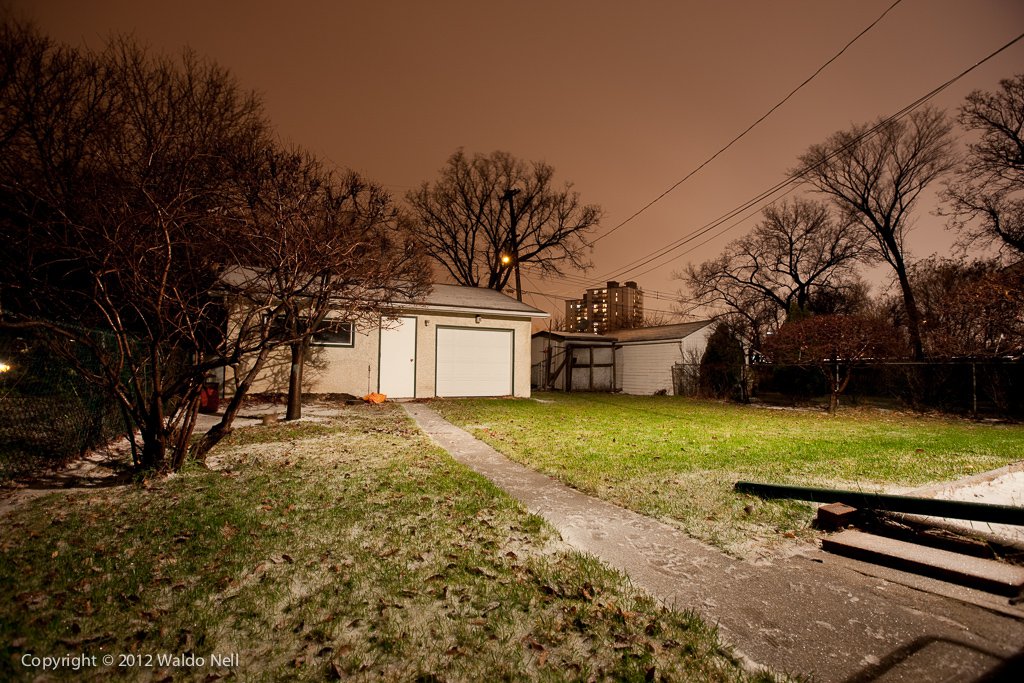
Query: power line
[550,300]
[714,224]
[751,126]
[796,177]
[589,283]
[568,298]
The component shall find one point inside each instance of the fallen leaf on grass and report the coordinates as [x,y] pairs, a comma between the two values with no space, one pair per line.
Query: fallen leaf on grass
[33,600]
[533,644]
[78,643]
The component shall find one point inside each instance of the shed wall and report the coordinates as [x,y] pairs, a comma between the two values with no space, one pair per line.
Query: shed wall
[644,368]
[586,378]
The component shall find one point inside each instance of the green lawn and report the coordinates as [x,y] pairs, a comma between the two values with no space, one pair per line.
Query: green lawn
[677,459]
[347,549]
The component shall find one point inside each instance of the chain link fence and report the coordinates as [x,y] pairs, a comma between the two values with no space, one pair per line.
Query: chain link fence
[993,387]
[48,414]
[985,387]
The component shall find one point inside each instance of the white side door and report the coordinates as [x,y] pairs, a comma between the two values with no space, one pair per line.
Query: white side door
[397,377]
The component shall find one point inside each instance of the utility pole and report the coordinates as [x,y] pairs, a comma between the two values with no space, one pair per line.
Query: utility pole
[513,239]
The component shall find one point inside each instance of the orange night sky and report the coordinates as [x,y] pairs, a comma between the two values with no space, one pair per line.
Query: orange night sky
[622,98]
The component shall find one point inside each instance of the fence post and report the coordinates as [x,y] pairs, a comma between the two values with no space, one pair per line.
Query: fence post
[974,389]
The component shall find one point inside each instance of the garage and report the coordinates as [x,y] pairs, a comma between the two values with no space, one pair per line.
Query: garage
[474,362]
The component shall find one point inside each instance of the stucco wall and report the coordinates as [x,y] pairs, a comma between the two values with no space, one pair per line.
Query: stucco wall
[355,370]
[347,370]
[328,369]
[426,348]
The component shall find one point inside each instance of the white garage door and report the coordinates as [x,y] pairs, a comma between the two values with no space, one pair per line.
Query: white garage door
[474,362]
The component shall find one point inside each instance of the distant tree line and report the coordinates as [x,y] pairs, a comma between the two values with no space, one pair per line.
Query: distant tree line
[791,288]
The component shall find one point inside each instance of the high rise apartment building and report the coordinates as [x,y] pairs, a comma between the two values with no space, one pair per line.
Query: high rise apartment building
[606,308]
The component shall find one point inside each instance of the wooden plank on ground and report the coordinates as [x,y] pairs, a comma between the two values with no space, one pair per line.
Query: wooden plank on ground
[977,572]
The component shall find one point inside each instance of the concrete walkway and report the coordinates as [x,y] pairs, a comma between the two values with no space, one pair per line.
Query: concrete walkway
[817,614]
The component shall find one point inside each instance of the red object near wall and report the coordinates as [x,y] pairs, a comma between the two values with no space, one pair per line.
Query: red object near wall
[209,400]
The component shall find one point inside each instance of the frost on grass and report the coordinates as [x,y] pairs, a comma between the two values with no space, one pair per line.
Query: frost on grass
[353,549]
[440,573]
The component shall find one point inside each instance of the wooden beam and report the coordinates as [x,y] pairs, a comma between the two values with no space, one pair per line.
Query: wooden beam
[930,507]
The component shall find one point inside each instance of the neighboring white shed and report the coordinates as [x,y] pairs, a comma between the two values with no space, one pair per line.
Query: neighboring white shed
[645,355]
[457,341]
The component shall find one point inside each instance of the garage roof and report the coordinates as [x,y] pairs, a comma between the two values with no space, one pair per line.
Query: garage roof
[659,332]
[591,337]
[479,300]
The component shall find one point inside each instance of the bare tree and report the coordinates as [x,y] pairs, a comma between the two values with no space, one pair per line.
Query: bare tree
[321,249]
[796,253]
[153,228]
[834,344]
[987,194]
[112,186]
[875,174]
[485,208]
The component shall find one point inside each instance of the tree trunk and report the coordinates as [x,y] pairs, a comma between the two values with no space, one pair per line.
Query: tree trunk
[184,435]
[220,430]
[295,381]
[223,428]
[833,402]
[154,449]
[913,314]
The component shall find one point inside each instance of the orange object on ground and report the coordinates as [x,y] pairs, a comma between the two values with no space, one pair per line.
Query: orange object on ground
[374,397]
